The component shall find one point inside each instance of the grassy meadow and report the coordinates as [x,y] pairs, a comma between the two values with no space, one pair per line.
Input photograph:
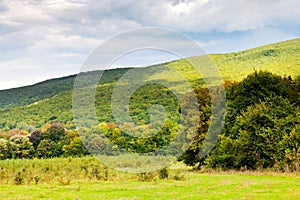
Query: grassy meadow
[24,110]
[86,178]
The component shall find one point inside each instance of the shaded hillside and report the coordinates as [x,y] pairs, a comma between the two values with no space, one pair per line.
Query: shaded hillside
[30,94]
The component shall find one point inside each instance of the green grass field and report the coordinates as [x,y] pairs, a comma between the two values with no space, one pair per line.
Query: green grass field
[197,186]
[76,178]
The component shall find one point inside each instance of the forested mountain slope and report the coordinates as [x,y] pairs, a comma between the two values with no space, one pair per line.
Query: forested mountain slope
[51,100]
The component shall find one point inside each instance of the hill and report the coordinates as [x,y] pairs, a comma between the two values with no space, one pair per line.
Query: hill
[279,58]
[51,100]
[30,94]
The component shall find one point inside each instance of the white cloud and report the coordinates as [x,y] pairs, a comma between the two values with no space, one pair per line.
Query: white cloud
[223,15]
[57,35]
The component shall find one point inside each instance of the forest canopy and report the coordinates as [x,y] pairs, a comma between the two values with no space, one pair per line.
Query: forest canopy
[262,129]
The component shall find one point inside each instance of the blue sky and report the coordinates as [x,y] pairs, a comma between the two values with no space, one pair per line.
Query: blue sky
[46,39]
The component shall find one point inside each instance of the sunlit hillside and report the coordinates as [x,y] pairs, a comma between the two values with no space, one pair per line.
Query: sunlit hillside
[51,100]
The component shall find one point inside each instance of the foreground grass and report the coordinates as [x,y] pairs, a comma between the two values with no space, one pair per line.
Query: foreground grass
[198,186]
[77,179]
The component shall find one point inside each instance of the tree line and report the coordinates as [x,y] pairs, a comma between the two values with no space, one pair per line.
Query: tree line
[261,130]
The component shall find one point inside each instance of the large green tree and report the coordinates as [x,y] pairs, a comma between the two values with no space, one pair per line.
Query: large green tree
[261,124]
[52,141]
[261,137]
[191,155]
[256,88]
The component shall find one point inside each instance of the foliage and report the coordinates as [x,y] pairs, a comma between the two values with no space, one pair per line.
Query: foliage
[109,139]
[261,126]
[259,135]
[52,141]
[262,129]
[256,88]
[21,147]
[258,125]
[191,155]
[35,138]
[5,151]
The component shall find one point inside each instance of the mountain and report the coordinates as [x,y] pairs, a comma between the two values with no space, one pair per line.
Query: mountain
[51,100]
[29,94]
[279,58]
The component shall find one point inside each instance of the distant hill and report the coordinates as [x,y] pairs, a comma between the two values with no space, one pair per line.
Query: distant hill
[51,100]
[29,94]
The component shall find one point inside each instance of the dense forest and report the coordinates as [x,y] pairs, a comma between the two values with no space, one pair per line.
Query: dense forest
[261,127]
[261,130]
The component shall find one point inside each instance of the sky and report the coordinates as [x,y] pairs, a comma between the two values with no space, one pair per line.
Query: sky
[40,39]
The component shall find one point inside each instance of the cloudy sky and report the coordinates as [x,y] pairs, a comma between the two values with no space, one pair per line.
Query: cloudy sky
[52,38]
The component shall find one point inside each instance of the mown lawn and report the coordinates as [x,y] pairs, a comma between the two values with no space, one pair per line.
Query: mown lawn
[195,186]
